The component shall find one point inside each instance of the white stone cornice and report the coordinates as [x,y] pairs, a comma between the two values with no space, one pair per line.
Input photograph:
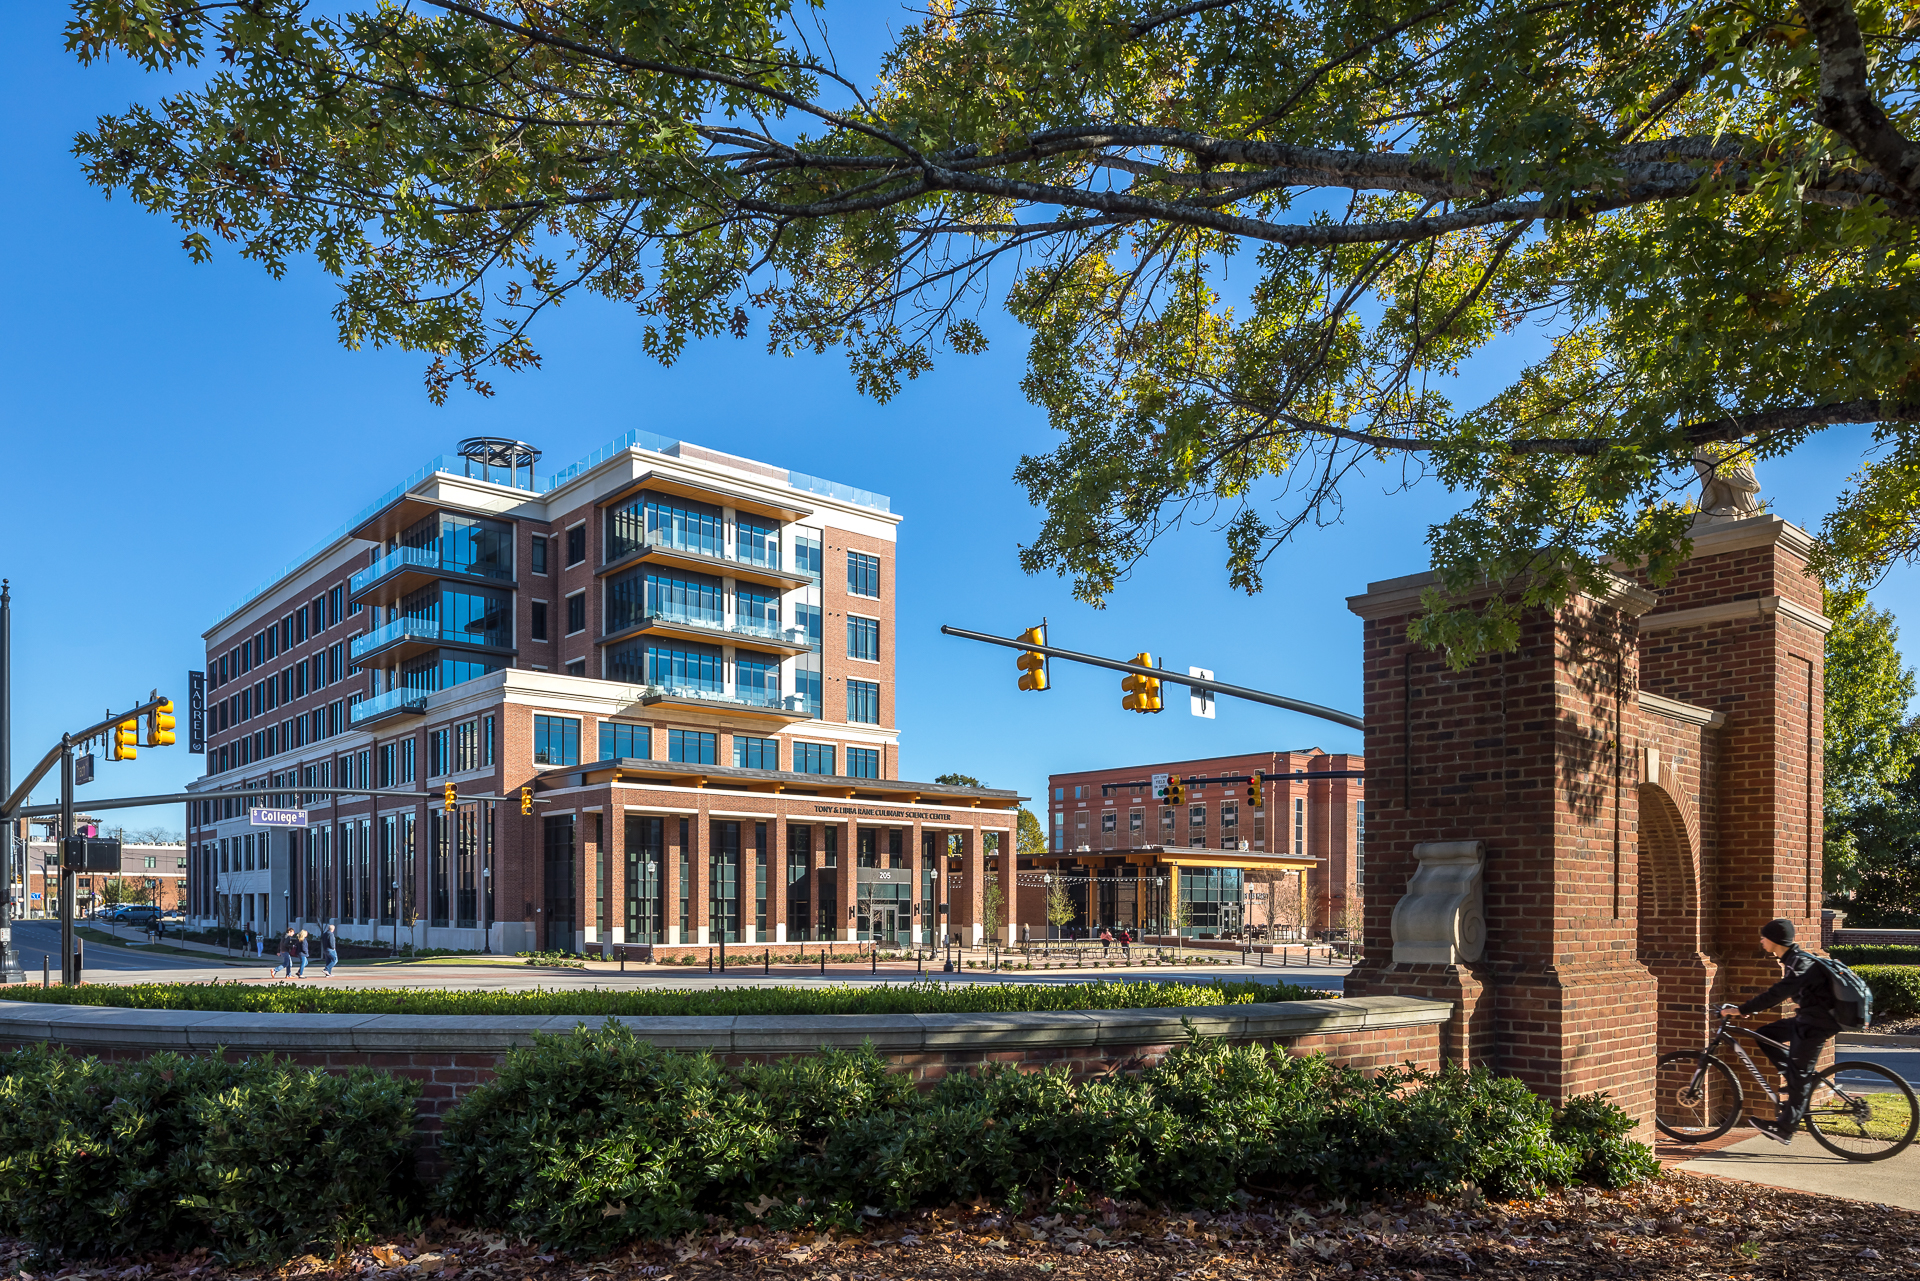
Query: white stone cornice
[1674,709]
[1728,611]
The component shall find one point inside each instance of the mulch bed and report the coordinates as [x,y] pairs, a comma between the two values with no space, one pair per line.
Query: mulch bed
[1681,1226]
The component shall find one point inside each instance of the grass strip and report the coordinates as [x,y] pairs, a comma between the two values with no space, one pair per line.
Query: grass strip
[891,998]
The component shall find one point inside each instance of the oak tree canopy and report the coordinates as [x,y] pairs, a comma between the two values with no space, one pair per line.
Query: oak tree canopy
[1255,242]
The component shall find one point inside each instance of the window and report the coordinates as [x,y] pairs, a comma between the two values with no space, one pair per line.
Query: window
[439,758]
[151,861]
[863,638]
[863,575]
[466,746]
[1108,821]
[863,702]
[576,544]
[1059,793]
[680,666]
[1079,792]
[1300,826]
[335,599]
[863,762]
[1360,844]
[539,559]
[806,555]
[806,618]
[556,740]
[619,741]
[1196,816]
[756,753]
[538,628]
[576,613]
[693,747]
[486,740]
[1135,820]
[578,667]
[813,758]
[1229,814]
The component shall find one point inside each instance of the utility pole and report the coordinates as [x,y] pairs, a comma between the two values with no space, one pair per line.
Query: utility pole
[67,977]
[10,970]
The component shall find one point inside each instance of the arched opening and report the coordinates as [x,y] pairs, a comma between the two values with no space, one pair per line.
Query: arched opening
[1669,919]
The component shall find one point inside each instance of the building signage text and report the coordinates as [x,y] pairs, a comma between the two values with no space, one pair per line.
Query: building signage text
[259,817]
[862,812]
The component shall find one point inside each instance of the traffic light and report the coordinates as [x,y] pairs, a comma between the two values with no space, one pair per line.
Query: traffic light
[1143,692]
[1176,793]
[452,795]
[1257,790]
[121,742]
[1032,664]
[526,800]
[160,723]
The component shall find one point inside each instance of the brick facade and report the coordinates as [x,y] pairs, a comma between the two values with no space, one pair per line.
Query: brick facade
[1644,772]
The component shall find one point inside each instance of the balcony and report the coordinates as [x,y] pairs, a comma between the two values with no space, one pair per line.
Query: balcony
[661,547]
[407,569]
[739,702]
[709,628]
[407,637]
[395,702]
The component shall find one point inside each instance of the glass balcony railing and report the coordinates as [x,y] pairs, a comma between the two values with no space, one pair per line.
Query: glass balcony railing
[764,556]
[427,558]
[736,697]
[394,700]
[424,629]
[620,619]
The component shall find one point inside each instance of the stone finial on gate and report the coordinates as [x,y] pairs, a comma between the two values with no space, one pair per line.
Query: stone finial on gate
[1441,919]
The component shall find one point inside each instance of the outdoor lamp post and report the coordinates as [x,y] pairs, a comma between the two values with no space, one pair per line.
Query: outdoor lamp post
[286,908]
[396,917]
[946,939]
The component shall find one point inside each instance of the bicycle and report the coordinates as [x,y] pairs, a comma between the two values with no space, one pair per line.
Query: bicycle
[1859,1111]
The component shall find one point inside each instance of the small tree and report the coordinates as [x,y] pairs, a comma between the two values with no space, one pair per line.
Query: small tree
[992,903]
[1059,903]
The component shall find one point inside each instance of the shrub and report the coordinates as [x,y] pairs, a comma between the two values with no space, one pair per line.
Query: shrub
[256,1158]
[889,998]
[1875,953]
[590,1140]
[1895,988]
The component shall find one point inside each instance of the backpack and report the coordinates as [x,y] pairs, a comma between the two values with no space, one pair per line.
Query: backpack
[1852,998]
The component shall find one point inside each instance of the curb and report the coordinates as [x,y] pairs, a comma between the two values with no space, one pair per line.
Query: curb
[1882,1040]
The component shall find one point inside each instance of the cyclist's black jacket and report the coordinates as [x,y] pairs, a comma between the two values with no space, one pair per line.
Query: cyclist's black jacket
[1806,982]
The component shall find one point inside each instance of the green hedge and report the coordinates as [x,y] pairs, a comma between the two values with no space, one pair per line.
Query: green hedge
[1875,953]
[889,998]
[591,1140]
[253,1159]
[1895,988]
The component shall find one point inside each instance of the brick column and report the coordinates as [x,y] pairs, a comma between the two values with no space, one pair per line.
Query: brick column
[586,897]
[699,842]
[670,881]
[1008,857]
[776,879]
[846,878]
[1520,751]
[973,884]
[616,838]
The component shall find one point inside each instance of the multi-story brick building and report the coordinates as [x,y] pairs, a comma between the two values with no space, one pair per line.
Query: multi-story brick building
[148,874]
[687,655]
[1215,862]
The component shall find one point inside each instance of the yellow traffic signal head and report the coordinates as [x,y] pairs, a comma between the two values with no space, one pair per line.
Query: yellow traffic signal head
[120,745]
[452,795]
[1032,665]
[1256,790]
[1142,692]
[1176,790]
[160,723]
[526,800]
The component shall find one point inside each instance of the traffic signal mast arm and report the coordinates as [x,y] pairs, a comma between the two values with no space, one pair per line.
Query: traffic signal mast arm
[175,798]
[1166,675]
[11,807]
[1201,783]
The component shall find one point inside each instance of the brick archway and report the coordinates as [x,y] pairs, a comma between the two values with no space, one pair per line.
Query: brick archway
[1670,919]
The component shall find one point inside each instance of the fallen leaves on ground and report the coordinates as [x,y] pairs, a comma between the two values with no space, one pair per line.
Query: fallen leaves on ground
[1680,1226]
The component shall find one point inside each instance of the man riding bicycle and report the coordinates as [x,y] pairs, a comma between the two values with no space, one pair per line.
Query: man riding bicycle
[1811,1027]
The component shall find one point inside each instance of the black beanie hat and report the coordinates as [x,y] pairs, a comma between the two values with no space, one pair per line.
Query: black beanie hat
[1778,930]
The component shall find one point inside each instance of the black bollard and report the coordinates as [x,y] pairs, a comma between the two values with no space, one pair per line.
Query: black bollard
[875,957]
[823,962]
[709,960]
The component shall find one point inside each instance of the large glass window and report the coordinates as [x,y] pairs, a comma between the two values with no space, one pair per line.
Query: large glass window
[684,666]
[757,542]
[443,669]
[863,702]
[806,617]
[863,574]
[556,740]
[756,679]
[1209,900]
[693,747]
[806,554]
[632,742]
[863,638]
[756,611]
[813,758]
[681,597]
[654,520]
[756,753]
[466,544]
[863,762]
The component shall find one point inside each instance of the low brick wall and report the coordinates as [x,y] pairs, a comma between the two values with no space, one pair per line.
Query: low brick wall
[449,1055]
[1882,938]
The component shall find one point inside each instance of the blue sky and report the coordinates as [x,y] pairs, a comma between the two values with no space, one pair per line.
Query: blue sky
[176,433]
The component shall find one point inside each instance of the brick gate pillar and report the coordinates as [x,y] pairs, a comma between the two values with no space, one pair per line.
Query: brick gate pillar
[1520,751]
[1739,631]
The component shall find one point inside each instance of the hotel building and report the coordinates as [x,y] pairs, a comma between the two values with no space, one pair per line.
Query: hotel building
[686,655]
[1214,863]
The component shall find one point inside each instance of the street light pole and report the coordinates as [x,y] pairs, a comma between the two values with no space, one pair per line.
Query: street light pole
[67,977]
[10,971]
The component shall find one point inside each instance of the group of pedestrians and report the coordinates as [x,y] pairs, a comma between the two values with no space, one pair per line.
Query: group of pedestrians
[1124,938]
[297,947]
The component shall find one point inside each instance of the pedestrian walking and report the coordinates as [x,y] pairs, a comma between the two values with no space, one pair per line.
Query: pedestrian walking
[283,957]
[260,943]
[1106,941]
[1126,944]
[300,954]
[329,949]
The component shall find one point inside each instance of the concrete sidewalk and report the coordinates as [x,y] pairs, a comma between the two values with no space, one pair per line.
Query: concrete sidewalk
[1805,1166]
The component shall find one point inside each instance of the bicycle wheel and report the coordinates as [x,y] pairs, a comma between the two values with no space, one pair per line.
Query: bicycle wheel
[1694,1099]
[1862,1111]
